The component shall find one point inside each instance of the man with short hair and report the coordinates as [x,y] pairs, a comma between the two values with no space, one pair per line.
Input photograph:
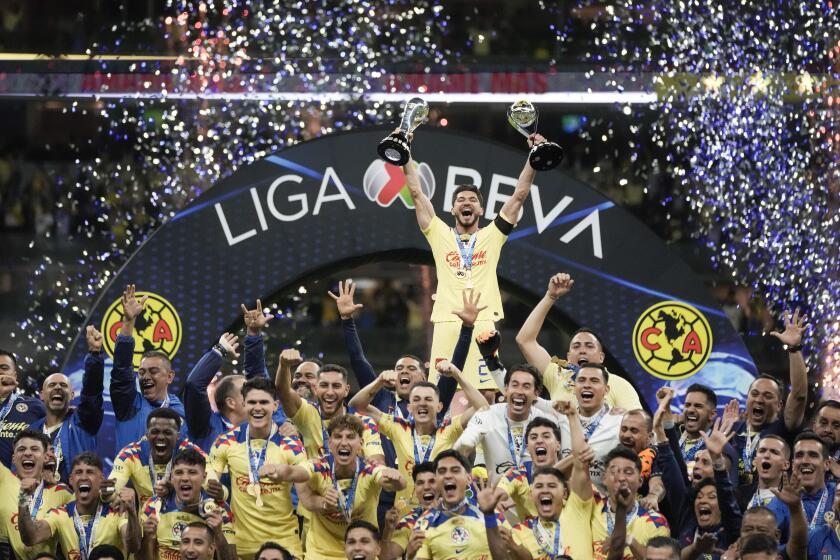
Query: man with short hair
[662,548]
[73,430]
[106,552]
[455,527]
[622,475]
[341,487]
[398,536]
[758,547]
[542,436]
[466,257]
[203,424]
[827,426]
[197,542]
[28,484]
[760,520]
[810,461]
[273,551]
[163,516]
[87,521]
[147,463]
[600,428]
[767,411]
[549,534]
[312,420]
[261,462]
[131,407]
[362,541]
[500,430]
[584,346]
[17,411]
[772,460]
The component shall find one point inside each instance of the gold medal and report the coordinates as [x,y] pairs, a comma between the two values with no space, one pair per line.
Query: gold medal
[258,493]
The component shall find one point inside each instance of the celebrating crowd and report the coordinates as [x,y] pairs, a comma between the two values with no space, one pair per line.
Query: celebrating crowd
[460,457]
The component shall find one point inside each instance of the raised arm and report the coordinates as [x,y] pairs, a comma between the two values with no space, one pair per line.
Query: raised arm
[131,532]
[797,399]
[32,532]
[558,286]
[473,435]
[253,362]
[196,401]
[474,396]
[511,208]
[618,540]
[790,495]
[488,501]
[91,408]
[422,205]
[291,401]
[392,480]
[361,400]
[365,374]
[123,388]
[278,473]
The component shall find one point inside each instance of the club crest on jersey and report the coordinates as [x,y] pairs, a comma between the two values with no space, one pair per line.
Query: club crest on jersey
[21,407]
[178,528]
[460,535]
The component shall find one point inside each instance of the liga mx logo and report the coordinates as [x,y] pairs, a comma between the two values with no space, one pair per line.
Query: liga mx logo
[384,183]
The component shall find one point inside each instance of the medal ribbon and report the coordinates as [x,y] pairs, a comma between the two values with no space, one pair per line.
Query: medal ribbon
[466,252]
[37,500]
[346,504]
[749,443]
[86,532]
[256,459]
[631,515]
[7,408]
[689,455]
[418,445]
[819,512]
[590,428]
[517,457]
[57,446]
[541,535]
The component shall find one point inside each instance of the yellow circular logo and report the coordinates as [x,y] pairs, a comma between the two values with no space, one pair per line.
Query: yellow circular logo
[157,328]
[672,340]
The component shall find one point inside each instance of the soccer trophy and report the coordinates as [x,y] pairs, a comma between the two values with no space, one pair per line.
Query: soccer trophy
[523,116]
[395,148]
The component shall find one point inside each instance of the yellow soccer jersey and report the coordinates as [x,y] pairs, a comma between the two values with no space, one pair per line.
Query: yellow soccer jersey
[230,453]
[105,530]
[485,258]
[404,527]
[460,536]
[51,496]
[325,535]
[400,432]
[644,524]
[517,483]
[560,383]
[572,536]
[313,429]
[132,464]
[172,521]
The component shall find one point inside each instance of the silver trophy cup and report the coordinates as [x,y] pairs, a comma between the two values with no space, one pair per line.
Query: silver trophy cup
[395,148]
[523,117]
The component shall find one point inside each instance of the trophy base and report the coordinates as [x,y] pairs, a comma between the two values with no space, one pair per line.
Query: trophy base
[545,156]
[395,149]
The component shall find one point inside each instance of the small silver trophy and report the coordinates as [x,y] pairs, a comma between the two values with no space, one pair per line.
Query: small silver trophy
[523,117]
[395,148]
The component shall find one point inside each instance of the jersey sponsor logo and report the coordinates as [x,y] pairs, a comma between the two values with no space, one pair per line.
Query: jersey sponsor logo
[384,183]
[453,259]
[157,328]
[672,340]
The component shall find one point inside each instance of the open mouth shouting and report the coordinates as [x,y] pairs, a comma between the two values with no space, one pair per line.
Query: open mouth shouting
[428,498]
[450,491]
[587,396]
[27,466]
[765,467]
[404,381]
[704,515]
[330,403]
[758,413]
[57,399]
[147,387]
[466,213]
[540,454]
[692,420]
[806,472]
[518,403]
[256,415]
[545,503]
[84,490]
[359,556]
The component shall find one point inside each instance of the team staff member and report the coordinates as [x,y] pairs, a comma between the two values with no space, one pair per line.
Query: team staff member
[131,407]
[86,522]
[147,463]
[585,346]
[246,452]
[342,486]
[73,430]
[161,517]
[30,448]
[312,420]
[466,257]
[17,411]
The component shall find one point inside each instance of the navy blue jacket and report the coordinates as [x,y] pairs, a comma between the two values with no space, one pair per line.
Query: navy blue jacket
[80,426]
[22,414]
[130,407]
